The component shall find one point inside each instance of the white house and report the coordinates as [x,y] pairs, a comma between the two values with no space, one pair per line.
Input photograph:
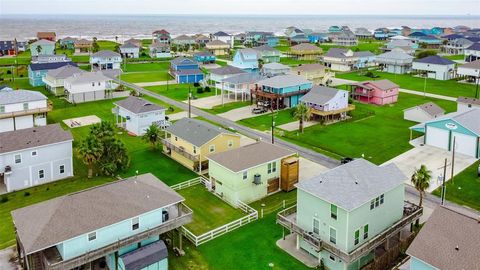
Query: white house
[472,53]
[395,61]
[104,60]
[159,50]
[240,85]
[34,156]
[467,103]
[435,67]
[129,50]
[339,59]
[54,79]
[217,75]
[423,113]
[88,86]
[274,69]
[137,114]
[327,104]
[22,109]
[222,36]
[470,70]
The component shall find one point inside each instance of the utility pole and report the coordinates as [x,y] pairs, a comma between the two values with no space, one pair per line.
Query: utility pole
[425,85]
[453,158]
[273,127]
[478,81]
[443,182]
[189,102]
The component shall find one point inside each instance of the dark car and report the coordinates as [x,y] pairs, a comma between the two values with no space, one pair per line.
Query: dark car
[259,110]
[346,160]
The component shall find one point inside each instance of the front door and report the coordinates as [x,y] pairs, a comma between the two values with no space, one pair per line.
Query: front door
[273,185]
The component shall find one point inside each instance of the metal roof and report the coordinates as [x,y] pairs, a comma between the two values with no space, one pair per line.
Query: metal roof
[138,105]
[320,95]
[195,131]
[284,81]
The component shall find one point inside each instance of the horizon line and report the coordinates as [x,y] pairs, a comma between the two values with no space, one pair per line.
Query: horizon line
[234,14]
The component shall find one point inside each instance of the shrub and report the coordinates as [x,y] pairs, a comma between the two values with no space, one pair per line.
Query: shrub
[9,72]
[26,194]
[196,84]
[207,89]
[199,90]
[4,199]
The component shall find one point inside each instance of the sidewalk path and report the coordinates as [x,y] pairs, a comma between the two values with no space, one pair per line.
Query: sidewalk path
[144,84]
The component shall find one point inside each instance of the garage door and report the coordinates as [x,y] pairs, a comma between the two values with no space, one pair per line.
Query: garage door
[465,144]
[438,137]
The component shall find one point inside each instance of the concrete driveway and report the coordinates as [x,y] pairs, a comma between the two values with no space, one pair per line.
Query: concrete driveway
[309,169]
[240,113]
[209,102]
[434,159]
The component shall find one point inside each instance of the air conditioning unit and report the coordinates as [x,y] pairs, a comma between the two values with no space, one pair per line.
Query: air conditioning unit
[7,169]
[257,179]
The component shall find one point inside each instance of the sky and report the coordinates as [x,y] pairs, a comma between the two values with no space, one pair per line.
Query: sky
[224,7]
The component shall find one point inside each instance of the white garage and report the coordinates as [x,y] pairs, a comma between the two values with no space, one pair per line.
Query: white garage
[463,126]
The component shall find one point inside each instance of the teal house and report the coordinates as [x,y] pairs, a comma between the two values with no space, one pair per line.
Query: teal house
[268,54]
[462,126]
[350,216]
[37,71]
[118,225]
[282,91]
[68,43]
[42,47]
[204,57]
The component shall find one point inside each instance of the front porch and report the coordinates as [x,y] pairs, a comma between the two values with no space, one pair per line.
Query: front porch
[333,116]
[289,245]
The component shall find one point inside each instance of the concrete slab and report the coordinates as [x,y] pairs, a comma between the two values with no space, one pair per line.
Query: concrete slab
[240,113]
[211,66]
[82,121]
[209,102]
[178,116]
[5,256]
[309,169]
[434,159]
[289,245]
[295,125]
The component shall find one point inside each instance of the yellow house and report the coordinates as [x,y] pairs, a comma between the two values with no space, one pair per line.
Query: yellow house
[218,47]
[305,51]
[190,142]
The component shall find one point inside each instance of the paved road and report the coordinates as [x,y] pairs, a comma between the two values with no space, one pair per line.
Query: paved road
[430,201]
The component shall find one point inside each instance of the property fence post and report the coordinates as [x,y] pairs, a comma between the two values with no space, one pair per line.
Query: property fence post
[283,204]
[261,215]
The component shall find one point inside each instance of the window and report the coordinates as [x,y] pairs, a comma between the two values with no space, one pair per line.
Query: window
[377,201]
[382,198]
[269,168]
[194,149]
[98,83]
[62,169]
[93,84]
[34,153]
[41,174]
[212,148]
[2,109]
[316,226]
[333,211]
[25,106]
[333,235]
[365,231]
[372,204]
[18,158]
[230,144]
[92,236]
[357,237]
[135,223]
[245,175]
[331,258]
[274,166]
[176,138]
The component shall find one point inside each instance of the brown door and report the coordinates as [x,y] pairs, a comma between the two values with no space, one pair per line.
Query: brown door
[273,185]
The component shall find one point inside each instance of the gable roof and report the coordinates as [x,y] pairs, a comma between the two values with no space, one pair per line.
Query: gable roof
[474,47]
[472,65]
[468,100]
[64,72]
[284,81]
[87,77]
[430,108]
[435,60]
[106,54]
[216,42]
[248,54]
[221,34]
[275,65]
[49,66]
[249,156]
[227,70]
[32,137]
[183,60]
[69,216]
[309,67]
[195,131]
[247,77]
[468,119]
[448,240]
[320,95]
[184,37]
[42,42]
[396,55]
[337,53]
[382,84]
[138,105]
[20,96]
[351,185]
[163,32]
[46,35]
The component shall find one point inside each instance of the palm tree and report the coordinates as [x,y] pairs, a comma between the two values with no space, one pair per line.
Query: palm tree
[421,181]
[39,49]
[90,150]
[152,135]
[302,113]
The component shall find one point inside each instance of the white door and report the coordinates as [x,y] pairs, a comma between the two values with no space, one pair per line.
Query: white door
[465,144]
[437,137]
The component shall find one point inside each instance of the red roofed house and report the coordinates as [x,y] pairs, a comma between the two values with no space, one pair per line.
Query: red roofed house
[379,92]
[47,35]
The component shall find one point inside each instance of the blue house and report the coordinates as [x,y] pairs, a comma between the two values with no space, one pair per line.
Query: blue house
[42,47]
[258,38]
[68,43]
[381,33]
[246,59]
[36,71]
[334,29]
[205,57]
[298,39]
[317,37]
[185,70]
[116,225]
[282,91]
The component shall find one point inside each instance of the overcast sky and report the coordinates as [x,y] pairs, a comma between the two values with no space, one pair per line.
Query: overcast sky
[361,7]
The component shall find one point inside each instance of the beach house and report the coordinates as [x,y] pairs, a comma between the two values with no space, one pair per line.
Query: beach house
[470,71]
[312,72]
[184,41]
[67,43]
[218,47]
[105,60]
[395,61]
[185,70]
[86,87]
[117,225]
[159,50]
[283,91]
[246,59]
[274,69]
[83,46]
[252,172]
[129,50]
[350,217]
[54,79]
[424,112]
[191,141]
[42,47]
[204,57]
[22,109]
[456,46]
[316,37]
[435,67]
[339,59]
[136,115]
[467,103]
[363,33]
[327,104]
[305,51]
[11,47]
[268,54]
[380,92]
[239,85]
[34,156]
[37,71]
[222,36]
[161,36]
[51,36]
[344,38]
[472,53]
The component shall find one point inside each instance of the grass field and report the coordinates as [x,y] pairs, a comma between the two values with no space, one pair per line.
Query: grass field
[264,122]
[447,88]
[228,107]
[139,67]
[294,62]
[138,77]
[178,91]
[455,57]
[373,46]
[464,189]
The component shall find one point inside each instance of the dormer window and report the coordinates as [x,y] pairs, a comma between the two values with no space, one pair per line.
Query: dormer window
[92,236]
[135,223]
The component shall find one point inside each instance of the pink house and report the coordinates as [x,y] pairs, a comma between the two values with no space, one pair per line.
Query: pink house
[379,92]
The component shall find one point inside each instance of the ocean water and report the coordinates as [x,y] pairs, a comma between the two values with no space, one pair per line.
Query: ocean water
[141,26]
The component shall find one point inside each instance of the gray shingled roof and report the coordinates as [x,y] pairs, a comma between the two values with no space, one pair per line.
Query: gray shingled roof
[87,77]
[265,48]
[249,156]
[20,96]
[309,67]
[138,105]
[472,65]
[352,185]
[227,70]
[284,81]
[275,65]
[32,137]
[244,78]
[468,100]
[396,55]
[216,42]
[382,84]
[436,60]
[42,42]
[195,131]
[64,72]
[69,216]
[431,109]
[305,47]
[448,240]
[320,95]
[336,53]
[145,256]
[106,54]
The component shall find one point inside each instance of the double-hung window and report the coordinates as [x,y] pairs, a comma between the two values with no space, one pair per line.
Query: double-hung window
[365,231]
[18,158]
[316,226]
[333,235]
[333,211]
[135,224]
[245,175]
[357,237]
[41,174]
[92,236]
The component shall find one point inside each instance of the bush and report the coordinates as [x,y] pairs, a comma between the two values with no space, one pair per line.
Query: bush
[207,89]
[9,72]
[196,84]
[199,90]
[370,74]
[424,54]
[26,194]
[4,199]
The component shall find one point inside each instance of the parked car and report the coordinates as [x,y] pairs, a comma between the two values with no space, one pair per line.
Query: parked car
[259,110]
[346,160]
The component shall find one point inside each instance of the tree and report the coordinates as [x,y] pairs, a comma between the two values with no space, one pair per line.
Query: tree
[39,49]
[302,113]
[426,53]
[152,135]
[421,181]
[90,150]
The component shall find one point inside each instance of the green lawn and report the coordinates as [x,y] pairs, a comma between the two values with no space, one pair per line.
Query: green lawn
[137,67]
[447,88]
[264,122]
[373,46]
[228,107]
[178,91]
[107,45]
[137,77]
[294,62]
[455,57]
[464,189]
[209,211]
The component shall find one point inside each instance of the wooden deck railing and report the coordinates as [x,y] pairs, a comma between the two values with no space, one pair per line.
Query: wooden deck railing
[180,150]
[23,112]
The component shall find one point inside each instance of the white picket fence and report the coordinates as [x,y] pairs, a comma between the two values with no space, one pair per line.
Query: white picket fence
[190,183]
[252,215]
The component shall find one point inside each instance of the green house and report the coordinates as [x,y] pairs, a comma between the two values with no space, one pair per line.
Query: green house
[346,216]
[42,47]
[247,173]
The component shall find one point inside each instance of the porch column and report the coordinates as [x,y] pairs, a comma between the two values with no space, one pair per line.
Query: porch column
[116,260]
[180,237]
[199,164]
[298,241]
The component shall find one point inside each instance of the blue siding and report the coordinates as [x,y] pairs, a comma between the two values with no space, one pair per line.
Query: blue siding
[35,77]
[416,264]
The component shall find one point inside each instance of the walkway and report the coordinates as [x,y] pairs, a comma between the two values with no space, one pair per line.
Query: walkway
[145,84]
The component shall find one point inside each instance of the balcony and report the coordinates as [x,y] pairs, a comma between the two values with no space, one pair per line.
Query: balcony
[52,260]
[269,95]
[180,150]
[288,219]
[350,107]
[24,112]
